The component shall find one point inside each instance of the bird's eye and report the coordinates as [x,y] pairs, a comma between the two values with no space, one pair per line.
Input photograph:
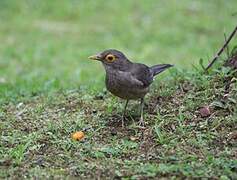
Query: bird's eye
[110,58]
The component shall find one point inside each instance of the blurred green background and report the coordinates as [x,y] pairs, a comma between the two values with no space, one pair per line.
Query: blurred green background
[45,44]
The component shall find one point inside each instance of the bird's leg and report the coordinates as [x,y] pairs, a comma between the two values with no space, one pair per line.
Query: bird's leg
[124,112]
[141,122]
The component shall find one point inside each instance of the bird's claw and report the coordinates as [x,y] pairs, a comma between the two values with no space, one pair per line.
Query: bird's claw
[141,122]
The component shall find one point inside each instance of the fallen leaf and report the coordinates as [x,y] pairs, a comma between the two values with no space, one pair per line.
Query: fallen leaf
[205,111]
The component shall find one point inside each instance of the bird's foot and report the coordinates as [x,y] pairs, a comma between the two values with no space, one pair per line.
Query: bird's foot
[141,122]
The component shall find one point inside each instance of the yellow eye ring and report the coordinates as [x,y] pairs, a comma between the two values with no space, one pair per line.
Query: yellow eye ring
[110,58]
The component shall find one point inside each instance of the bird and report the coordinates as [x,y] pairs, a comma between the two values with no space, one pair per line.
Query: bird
[126,79]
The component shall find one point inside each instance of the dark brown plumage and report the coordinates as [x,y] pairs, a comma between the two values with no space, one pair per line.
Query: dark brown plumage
[126,79]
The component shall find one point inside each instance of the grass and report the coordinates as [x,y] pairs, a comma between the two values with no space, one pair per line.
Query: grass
[48,90]
[177,142]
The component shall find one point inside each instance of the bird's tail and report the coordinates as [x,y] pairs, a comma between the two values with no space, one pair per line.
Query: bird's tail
[159,68]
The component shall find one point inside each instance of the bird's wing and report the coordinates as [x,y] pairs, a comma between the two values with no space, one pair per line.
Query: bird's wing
[142,73]
[127,79]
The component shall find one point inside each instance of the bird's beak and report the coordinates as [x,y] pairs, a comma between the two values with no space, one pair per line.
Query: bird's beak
[95,57]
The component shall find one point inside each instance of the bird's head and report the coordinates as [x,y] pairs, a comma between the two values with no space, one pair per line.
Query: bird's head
[112,58]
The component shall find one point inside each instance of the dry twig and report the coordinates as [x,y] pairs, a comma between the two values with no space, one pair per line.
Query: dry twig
[222,48]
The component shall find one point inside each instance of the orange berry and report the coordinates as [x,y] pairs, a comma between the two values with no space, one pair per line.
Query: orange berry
[79,135]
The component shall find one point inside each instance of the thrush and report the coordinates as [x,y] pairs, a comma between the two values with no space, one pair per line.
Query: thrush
[128,80]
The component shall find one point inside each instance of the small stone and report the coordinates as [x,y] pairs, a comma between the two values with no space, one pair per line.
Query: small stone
[39,161]
[233,135]
[133,138]
[19,105]
[5,162]
[113,132]
[172,126]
